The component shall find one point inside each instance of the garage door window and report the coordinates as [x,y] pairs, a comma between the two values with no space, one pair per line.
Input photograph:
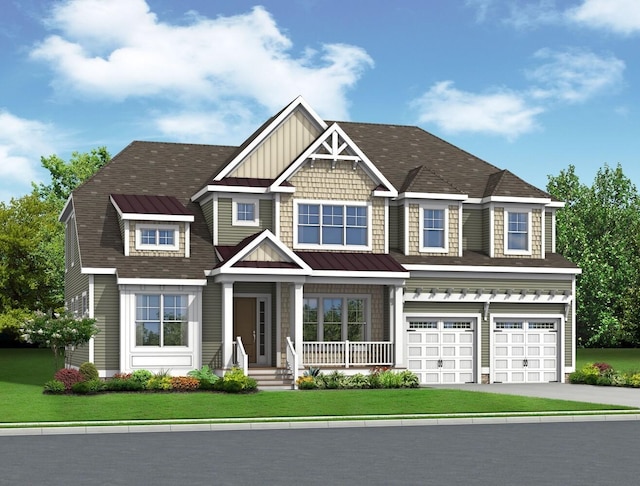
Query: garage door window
[509,325]
[456,325]
[423,325]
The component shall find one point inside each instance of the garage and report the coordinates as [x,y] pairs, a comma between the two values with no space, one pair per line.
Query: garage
[525,351]
[441,350]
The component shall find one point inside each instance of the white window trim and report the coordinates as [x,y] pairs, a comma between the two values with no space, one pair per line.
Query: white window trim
[529,213]
[429,249]
[234,211]
[157,227]
[344,330]
[321,202]
[163,347]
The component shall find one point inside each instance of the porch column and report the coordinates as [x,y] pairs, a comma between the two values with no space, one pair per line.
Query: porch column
[398,321]
[297,316]
[227,325]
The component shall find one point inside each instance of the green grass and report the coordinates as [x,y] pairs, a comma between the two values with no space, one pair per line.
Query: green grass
[622,360]
[23,372]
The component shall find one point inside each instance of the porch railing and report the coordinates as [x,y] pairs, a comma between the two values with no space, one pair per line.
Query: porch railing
[347,353]
[293,361]
[240,358]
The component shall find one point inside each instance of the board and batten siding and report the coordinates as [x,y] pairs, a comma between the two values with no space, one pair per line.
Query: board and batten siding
[212,324]
[281,148]
[472,234]
[232,235]
[107,314]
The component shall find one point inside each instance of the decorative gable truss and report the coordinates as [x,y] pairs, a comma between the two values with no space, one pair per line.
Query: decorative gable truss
[334,145]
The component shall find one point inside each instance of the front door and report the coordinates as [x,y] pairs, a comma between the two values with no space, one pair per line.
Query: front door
[244,324]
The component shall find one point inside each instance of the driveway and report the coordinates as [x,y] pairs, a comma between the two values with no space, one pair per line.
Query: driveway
[562,391]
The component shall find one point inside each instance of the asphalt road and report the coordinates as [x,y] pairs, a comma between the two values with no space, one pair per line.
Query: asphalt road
[586,453]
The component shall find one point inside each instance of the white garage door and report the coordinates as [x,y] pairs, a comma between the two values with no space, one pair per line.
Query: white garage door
[525,351]
[441,351]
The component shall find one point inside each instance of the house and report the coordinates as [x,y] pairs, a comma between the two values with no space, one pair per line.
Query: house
[314,243]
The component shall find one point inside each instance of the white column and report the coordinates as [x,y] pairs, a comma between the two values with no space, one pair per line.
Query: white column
[296,328]
[278,324]
[398,321]
[227,325]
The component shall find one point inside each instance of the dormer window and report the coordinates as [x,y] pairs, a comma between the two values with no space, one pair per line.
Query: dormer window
[156,237]
[434,224]
[517,232]
[245,212]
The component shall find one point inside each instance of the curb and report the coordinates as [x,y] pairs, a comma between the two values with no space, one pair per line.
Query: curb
[68,428]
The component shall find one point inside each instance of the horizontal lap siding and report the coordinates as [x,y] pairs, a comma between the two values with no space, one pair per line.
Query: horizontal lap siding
[207,211]
[107,315]
[394,230]
[212,325]
[472,233]
[231,235]
[548,231]
[75,283]
[486,234]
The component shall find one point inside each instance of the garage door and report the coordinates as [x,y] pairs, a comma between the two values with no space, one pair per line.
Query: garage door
[441,351]
[525,351]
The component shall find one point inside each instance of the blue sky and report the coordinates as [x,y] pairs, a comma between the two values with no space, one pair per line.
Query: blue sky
[531,86]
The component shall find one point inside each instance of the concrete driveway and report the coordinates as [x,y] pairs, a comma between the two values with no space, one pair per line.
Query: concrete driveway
[563,391]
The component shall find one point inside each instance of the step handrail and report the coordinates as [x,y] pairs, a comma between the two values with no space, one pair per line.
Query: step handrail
[292,361]
[242,358]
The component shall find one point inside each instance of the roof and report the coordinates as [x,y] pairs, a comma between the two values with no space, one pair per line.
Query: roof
[145,204]
[475,258]
[350,262]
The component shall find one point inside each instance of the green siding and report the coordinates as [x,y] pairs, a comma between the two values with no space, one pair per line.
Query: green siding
[394,230]
[107,315]
[486,231]
[386,306]
[212,324]
[231,235]
[401,229]
[207,211]
[548,231]
[472,229]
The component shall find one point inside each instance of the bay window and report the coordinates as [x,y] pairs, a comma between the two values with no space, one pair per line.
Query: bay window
[161,320]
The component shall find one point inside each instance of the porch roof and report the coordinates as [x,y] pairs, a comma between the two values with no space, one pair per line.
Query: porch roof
[148,204]
[350,262]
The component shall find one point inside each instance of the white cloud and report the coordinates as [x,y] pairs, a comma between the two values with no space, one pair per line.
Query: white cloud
[530,15]
[502,112]
[199,61]
[619,16]
[22,142]
[575,75]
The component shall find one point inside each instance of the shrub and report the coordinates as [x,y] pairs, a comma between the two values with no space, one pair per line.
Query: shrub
[603,368]
[306,382]
[54,387]
[89,371]
[332,381]
[142,377]
[122,376]
[633,380]
[123,384]
[312,371]
[357,381]
[408,379]
[89,387]
[184,383]
[389,379]
[588,375]
[235,381]
[69,377]
[159,383]
[205,376]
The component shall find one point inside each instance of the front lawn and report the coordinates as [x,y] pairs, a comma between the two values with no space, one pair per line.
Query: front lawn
[23,372]
[622,360]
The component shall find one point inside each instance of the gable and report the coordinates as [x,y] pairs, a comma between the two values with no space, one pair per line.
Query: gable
[266,252]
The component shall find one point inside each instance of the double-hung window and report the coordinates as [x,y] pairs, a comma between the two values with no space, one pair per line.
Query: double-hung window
[161,320]
[518,232]
[433,229]
[332,224]
[245,212]
[335,318]
[155,237]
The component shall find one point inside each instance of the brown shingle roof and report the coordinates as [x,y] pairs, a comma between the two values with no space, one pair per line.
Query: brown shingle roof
[144,204]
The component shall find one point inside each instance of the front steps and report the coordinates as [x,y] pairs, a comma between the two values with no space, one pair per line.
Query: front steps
[272,378]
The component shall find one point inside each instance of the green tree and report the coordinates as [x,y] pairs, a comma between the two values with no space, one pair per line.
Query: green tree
[598,231]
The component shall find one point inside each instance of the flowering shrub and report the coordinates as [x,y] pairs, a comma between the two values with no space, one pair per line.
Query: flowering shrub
[184,383]
[59,332]
[69,377]
[306,382]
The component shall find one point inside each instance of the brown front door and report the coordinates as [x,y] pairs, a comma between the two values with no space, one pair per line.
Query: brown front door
[244,324]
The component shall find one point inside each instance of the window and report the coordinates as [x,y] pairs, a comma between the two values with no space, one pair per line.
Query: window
[517,232]
[161,320]
[152,237]
[434,228]
[337,225]
[245,212]
[332,319]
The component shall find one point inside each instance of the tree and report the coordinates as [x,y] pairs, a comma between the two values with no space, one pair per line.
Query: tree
[598,231]
[66,176]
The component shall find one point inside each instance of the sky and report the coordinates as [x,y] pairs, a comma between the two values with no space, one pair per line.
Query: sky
[531,86]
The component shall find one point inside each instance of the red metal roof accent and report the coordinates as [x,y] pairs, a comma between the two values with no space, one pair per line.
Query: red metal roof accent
[144,204]
[256,264]
[350,262]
